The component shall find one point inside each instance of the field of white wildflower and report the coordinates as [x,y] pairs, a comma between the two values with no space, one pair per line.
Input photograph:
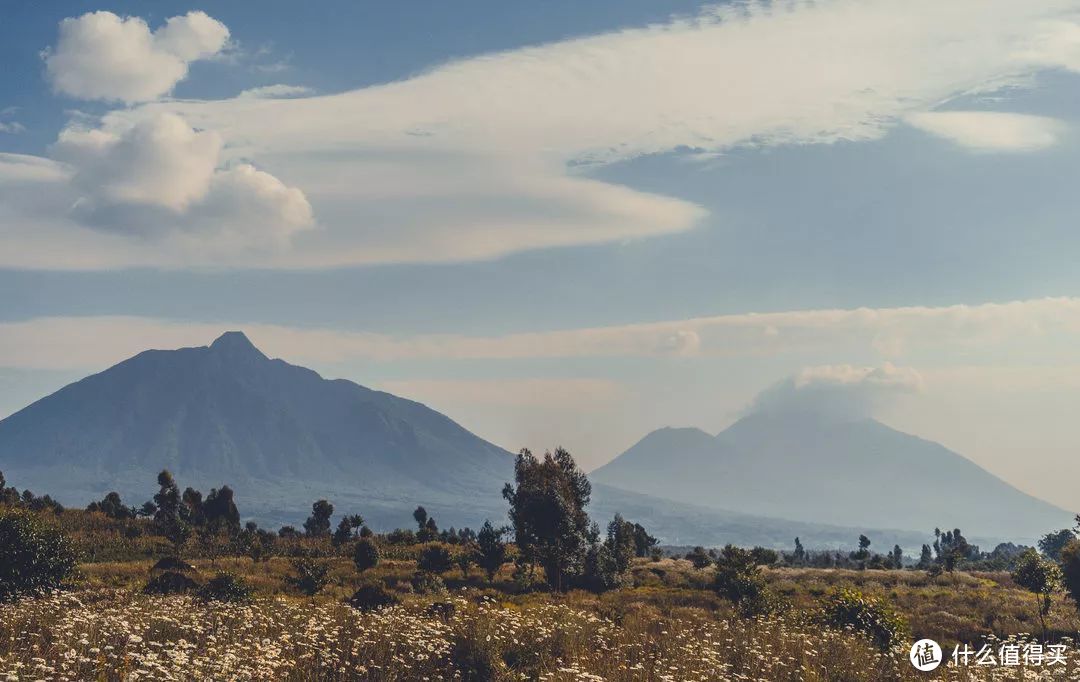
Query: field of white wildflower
[102,634]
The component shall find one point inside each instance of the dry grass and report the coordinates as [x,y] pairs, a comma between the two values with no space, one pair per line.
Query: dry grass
[668,627]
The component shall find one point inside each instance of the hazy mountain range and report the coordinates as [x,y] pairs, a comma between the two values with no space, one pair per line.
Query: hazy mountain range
[282,436]
[824,469]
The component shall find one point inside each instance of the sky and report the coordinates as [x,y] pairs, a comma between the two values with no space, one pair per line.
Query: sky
[565,223]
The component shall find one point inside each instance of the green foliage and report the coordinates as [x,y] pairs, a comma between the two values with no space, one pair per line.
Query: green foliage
[170,582]
[35,556]
[365,555]
[312,575]
[112,506]
[424,582]
[1051,544]
[225,587]
[739,580]
[371,597]
[1070,570]
[607,566]
[318,524]
[1039,576]
[699,558]
[491,550]
[435,558]
[871,616]
[547,509]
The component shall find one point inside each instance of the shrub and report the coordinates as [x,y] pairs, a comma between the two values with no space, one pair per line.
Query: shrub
[435,559]
[475,659]
[226,587]
[365,555]
[871,616]
[699,557]
[170,582]
[371,597]
[739,579]
[36,556]
[311,575]
[170,563]
[424,582]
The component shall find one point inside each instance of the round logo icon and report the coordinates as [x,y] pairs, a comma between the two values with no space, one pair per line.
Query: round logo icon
[925,655]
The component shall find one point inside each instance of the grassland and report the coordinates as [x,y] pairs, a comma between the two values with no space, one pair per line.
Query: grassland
[667,626]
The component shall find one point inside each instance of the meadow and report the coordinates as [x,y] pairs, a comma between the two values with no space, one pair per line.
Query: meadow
[665,625]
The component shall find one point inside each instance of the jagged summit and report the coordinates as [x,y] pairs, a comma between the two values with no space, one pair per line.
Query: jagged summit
[235,343]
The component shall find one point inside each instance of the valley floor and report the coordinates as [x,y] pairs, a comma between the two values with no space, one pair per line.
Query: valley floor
[667,626]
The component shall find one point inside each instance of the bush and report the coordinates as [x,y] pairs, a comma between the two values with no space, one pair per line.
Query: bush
[870,616]
[226,587]
[365,555]
[739,579]
[36,556]
[372,597]
[475,659]
[435,559]
[311,575]
[170,582]
[424,582]
[170,563]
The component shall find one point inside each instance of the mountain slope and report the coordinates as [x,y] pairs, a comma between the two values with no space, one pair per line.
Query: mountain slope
[822,470]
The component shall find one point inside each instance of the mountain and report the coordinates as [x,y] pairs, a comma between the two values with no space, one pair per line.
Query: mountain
[822,469]
[282,436]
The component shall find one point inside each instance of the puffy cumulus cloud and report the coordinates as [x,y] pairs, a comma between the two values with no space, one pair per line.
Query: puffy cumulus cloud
[991,130]
[838,391]
[152,186]
[489,155]
[100,55]
[158,161]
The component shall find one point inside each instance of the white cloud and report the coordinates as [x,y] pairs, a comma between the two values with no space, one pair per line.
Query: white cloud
[100,55]
[152,186]
[159,161]
[991,130]
[12,127]
[273,91]
[488,155]
[838,391]
[1048,329]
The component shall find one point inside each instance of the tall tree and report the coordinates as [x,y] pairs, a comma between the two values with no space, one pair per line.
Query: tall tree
[318,524]
[491,550]
[547,509]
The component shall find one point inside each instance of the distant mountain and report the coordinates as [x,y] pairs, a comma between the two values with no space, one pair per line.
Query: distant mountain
[824,470]
[282,437]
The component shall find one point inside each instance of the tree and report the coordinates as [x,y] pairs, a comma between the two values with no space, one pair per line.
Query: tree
[343,533]
[112,506]
[608,563]
[491,550]
[193,500]
[171,517]
[1051,544]
[643,542]
[763,556]
[365,555]
[699,557]
[547,510]
[435,559]
[421,516]
[220,510]
[1039,576]
[311,575]
[465,557]
[36,556]
[897,557]
[739,579]
[798,557]
[952,547]
[1070,570]
[318,524]
[926,558]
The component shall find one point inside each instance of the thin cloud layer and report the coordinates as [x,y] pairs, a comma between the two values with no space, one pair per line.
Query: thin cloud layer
[100,55]
[838,391]
[993,131]
[490,155]
[1046,328]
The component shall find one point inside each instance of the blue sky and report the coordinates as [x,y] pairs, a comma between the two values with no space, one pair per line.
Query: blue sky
[563,222]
